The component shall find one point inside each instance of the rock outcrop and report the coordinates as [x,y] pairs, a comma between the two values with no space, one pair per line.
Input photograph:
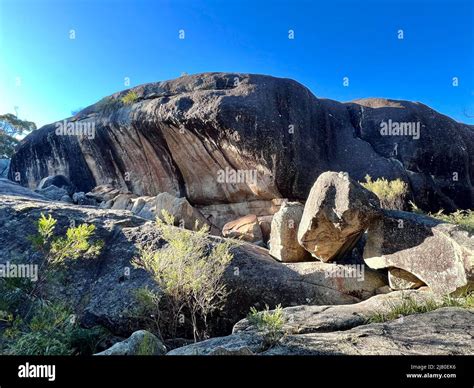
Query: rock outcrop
[440,255]
[102,294]
[344,330]
[283,241]
[336,214]
[220,138]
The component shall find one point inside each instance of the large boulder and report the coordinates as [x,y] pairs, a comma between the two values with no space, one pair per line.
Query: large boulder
[101,293]
[438,254]
[399,279]
[336,214]
[245,228]
[219,138]
[57,180]
[140,343]
[283,241]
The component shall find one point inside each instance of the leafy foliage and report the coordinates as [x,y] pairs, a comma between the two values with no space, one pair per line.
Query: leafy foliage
[390,193]
[130,97]
[188,271]
[269,322]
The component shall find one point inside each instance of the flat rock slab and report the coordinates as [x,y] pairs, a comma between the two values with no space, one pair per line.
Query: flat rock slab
[344,330]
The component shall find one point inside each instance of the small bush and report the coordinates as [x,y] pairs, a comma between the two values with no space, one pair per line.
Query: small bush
[52,330]
[391,194]
[269,322]
[129,98]
[189,272]
[410,306]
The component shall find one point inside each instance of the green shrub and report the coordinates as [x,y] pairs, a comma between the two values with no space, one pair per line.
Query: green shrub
[463,218]
[391,194]
[410,306]
[77,243]
[52,330]
[34,325]
[268,322]
[189,272]
[130,98]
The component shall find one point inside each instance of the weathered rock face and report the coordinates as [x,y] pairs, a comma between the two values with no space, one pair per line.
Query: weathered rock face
[336,214]
[244,228]
[344,330]
[101,294]
[228,138]
[283,242]
[440,255]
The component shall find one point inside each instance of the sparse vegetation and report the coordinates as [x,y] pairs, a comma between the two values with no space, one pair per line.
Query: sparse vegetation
[130,97]
[391,194]
[52,330]
[410,306]
[56,249]
[188,271]
[268,322]
[33,324]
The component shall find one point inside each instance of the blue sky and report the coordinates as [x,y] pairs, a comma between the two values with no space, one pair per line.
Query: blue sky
[46,75]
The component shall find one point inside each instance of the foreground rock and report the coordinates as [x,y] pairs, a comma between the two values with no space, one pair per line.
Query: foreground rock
[283,242]
[438,254]
[102,294]
[344,330]
[180,136]
[140,343]
[336,214]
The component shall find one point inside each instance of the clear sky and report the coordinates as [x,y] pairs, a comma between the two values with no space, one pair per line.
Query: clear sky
[46,75]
